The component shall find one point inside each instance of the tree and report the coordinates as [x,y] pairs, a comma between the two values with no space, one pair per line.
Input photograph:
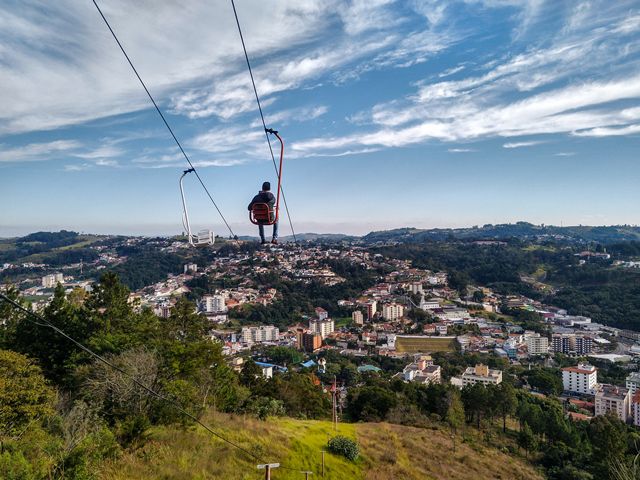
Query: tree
[526,439]
[505,401]
[24,393]
[251,374]
[284,355]
[544,380]
[476,401]
[455,413]
[57,355]
[370,403]
[110,299]
[608,437]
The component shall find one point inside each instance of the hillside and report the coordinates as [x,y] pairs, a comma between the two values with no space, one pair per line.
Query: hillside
[521,230]
[387,452]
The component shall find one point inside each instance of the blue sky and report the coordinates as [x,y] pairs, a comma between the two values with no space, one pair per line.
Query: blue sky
[394,113]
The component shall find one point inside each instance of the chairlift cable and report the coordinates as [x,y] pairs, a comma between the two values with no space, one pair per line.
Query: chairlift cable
[264,125]
[166,123]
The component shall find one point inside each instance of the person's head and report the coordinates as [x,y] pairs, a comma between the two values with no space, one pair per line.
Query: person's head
[266,186]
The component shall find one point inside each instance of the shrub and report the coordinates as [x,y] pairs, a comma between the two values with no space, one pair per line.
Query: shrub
[344,446]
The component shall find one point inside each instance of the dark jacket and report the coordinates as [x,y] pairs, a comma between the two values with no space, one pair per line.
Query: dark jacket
[263,197]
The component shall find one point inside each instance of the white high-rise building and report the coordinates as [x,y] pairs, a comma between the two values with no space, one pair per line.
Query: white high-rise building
[581,379]
[263,333]
[392,311]
[51,280]
[214,304]
[357,317]
[537,345]
[323,327]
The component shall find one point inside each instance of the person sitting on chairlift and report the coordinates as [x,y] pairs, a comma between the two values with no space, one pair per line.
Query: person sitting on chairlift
[265,196]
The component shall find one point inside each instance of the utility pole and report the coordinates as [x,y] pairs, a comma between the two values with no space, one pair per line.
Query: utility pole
[334,405]
[323,463]
[267,469]
[306,475]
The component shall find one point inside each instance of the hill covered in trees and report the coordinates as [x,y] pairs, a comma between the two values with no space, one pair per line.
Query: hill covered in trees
[521,230]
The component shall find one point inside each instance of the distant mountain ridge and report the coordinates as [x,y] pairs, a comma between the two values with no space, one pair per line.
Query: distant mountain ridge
[601,234]
[505,231]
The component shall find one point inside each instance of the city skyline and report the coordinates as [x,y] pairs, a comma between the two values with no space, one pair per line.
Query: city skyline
[422,114]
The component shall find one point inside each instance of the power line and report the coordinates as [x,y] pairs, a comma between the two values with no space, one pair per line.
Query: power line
[42,322]
[184,154]
[264,125]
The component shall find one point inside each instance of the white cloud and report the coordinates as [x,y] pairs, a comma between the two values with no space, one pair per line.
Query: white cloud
[609,131]
[521,144]
[51,78]
[565,154]
[460,150]
[451,71]
[37,151]
[284,117]
[584,82]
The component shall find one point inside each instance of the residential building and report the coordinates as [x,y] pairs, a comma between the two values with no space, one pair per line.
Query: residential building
[416,288]
[263,333]
[214,303]
[422,371]
[633,382]
[310,342]
[51,280]
[392,311]
[571,344]
[321,313]
[580,379]
[481,374]
[357,317]
[191,268]
[430,304]
[635,408]
[267,369]
[537,345]
[323,327]
[611,398]
[371,307]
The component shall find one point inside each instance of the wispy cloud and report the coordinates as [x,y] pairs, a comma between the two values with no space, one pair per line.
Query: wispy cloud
[460,150]
[37,151]
[521,144]
[609,131]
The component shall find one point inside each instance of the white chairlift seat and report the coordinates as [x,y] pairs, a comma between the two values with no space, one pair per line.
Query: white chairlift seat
[203,238]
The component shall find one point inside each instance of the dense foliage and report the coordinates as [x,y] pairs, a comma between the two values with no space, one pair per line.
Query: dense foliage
[344,446]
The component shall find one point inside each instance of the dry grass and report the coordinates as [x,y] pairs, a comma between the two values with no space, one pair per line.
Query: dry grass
[387,452]
[428,454]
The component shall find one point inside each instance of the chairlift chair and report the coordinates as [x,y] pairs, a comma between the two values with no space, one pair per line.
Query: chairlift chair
[204,237]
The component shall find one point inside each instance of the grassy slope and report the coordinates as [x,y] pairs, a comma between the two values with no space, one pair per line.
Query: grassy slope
[388,452]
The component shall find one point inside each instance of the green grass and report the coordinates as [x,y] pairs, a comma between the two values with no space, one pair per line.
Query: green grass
[343,322]
[387,452]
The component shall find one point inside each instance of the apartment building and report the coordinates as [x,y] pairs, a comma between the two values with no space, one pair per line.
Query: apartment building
[611,398]
[263,333]
[481,374]
[580,379]
[392,311]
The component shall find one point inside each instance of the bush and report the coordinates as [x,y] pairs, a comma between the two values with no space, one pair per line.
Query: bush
[344,446]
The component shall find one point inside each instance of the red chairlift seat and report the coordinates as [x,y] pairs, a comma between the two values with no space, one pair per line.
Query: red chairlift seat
[262,214]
